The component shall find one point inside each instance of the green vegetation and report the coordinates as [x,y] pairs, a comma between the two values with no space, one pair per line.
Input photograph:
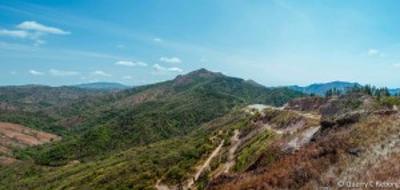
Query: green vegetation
[127,139]
[191,100]
[390,101]
[171,160]
[252,150]
[136,168]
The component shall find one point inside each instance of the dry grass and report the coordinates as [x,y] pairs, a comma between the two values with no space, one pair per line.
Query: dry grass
[328,160]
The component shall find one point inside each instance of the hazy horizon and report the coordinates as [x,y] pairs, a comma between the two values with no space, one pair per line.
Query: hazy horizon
[275,43]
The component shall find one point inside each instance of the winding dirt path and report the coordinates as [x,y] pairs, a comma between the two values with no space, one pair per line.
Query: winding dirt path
[235,142]
[200,169]
[205,165]
[160,186]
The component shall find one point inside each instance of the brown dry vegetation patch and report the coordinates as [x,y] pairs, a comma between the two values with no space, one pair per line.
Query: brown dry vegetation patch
[292,171]
[144,96]
[386,170]
[13,136]
[311,104]
[4,160]
[334,153]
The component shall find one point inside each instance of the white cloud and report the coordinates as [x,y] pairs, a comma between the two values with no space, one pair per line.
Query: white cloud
[32,30]
[397,65]
[36,73]
[101,73]
[170,59]
[35,26]
[175,69]
[14,33]
[375,52]
[61,73]
[131,63]
[158,40]
[13,72]
[160,68]
[39,42]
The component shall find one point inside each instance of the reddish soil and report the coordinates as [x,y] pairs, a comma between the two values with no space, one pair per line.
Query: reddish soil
[13,136]
[7,160]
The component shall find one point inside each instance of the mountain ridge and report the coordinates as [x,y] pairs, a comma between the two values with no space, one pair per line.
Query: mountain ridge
[102,86]
[322,88]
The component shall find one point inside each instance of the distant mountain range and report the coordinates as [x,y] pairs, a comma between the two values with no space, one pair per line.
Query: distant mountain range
[315,88]
[321,88]
[102,86]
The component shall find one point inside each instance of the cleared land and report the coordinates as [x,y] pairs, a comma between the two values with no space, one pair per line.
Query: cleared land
[14,136]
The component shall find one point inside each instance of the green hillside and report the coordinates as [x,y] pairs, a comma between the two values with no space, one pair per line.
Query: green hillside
[123,125]
[152,113]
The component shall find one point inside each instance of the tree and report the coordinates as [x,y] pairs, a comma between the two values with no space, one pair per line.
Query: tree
[333,92]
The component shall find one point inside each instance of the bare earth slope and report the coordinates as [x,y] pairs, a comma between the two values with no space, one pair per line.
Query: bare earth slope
[13,136]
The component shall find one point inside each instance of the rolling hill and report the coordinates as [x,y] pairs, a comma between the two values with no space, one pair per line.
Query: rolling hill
[103,122]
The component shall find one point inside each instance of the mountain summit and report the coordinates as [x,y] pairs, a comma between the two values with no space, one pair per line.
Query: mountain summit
[200,74]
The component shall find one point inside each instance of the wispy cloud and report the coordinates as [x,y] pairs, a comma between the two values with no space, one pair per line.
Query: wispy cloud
[35,26]
[36,73]
[170,59]
[175,69]
[160,68]
[131,63]
[32,30]
[100,73]
[375,52]
[39,42]
[61,73]
[158,40]
[14,33]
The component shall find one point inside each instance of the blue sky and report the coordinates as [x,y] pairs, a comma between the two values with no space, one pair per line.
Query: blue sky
[276,42]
